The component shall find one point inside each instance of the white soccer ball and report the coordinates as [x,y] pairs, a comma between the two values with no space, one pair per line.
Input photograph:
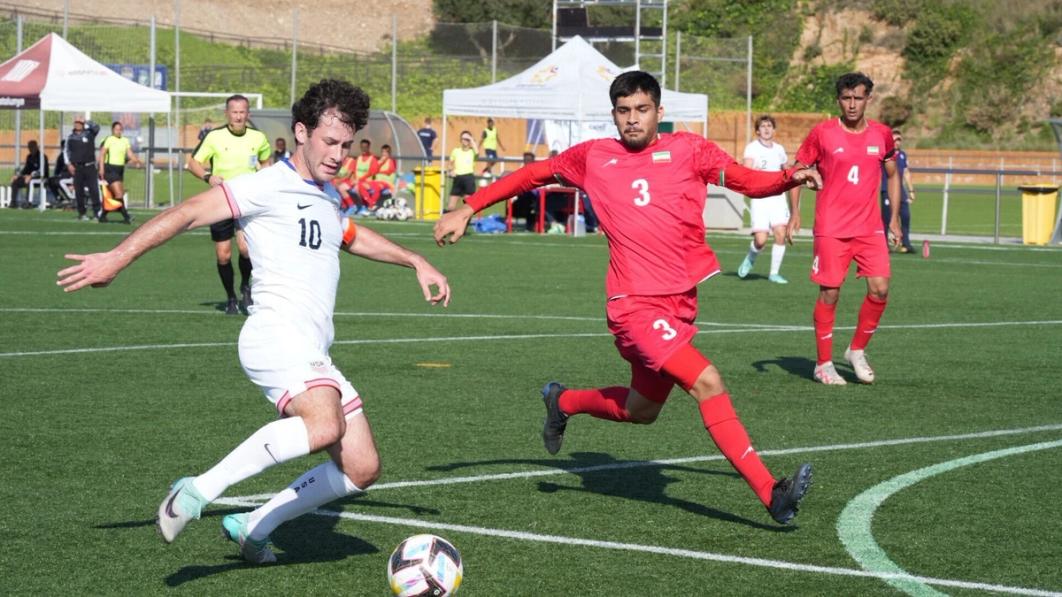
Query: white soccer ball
[424,565]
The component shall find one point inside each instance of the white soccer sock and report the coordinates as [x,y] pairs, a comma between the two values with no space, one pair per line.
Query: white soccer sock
[277,442]
[777,253]
[315,488]
[753,252]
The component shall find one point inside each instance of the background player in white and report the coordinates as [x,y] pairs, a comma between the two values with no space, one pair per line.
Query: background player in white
[294,233]
[770,214]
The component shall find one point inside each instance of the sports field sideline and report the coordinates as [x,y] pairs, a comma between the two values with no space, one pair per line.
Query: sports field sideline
[939,478]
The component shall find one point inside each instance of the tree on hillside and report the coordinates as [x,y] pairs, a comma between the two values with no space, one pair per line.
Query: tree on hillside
[536,14]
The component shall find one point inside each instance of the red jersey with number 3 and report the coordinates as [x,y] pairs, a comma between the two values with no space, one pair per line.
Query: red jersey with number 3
[650,204]
[850,166]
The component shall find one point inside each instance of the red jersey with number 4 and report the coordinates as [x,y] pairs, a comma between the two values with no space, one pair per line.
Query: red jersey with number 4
[850,166]
[650,204]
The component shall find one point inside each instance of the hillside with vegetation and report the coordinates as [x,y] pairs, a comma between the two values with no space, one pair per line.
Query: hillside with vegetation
[958,73]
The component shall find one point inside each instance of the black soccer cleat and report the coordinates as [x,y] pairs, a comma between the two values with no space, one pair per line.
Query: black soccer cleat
[787,493]
[245,298]
[231,308]
[556,420]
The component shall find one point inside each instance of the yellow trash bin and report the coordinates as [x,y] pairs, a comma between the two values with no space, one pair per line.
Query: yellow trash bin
[427,193]
[1038,212]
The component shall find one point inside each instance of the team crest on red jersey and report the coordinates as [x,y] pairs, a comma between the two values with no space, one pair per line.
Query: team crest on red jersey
[661,157]
[873,150]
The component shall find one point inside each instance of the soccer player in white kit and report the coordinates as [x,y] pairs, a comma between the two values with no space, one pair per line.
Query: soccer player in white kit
[770,214]
[294,232]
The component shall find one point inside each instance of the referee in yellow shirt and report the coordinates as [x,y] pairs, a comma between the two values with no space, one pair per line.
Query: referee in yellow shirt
[223,154]
[114,152]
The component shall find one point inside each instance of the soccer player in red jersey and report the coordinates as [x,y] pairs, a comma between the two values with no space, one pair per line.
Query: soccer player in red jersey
[649,191]
[849,152]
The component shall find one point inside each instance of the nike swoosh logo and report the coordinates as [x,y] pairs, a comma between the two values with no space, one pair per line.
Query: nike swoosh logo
[747,451]
[304,206]
[270,452]
[169,506]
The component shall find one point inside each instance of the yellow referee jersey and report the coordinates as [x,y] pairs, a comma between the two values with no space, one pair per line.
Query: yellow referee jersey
[115,150]
[231,155]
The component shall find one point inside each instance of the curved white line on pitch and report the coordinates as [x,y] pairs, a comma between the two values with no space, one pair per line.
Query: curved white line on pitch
[660,550]
[853,526]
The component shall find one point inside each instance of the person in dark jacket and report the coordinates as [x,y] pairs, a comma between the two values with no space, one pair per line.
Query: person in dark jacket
[80,156]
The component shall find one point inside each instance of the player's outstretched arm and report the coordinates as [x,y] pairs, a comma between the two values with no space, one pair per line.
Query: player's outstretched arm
[99,269]
[758,183]
[451,227]
[375,246]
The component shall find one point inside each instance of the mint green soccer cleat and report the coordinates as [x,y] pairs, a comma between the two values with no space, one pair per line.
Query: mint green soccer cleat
[777,279]
[744,268]
[183,504]
[234,528]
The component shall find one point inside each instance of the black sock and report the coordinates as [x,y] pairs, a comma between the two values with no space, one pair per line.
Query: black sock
[245,272]
[227,276]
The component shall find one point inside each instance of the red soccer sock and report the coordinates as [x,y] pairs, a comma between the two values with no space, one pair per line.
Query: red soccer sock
[602,403]
[729,435]
[869,317]
[824,317]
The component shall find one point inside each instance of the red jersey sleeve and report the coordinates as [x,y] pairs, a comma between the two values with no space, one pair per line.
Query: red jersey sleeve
[526,178]
[809,151]
[709,160]
[570,164]
[890,145]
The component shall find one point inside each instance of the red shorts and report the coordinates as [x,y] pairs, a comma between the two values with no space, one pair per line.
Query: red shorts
[650,329]
[832,256]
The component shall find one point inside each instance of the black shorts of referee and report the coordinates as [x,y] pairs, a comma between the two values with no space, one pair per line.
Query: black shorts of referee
[112,173]
[463,185]
[223,231]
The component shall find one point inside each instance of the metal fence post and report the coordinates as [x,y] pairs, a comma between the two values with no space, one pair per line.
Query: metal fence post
[494,51]
[944,204]
[999,194]
[394,63]
[294,51]
[18,113]
[678,58]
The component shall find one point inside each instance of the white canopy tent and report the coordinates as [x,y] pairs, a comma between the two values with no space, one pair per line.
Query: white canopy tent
[54,75]
[571,84]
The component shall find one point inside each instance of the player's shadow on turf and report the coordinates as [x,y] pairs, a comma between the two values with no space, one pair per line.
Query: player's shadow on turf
[218,306]
[309,539]
[799,366]
[602,474]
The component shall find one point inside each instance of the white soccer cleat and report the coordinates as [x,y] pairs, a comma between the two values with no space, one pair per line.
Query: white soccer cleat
[826,373]
[234,528]
[858,359]
[182,505]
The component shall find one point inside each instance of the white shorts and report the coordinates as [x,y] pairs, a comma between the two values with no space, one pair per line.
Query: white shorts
[768,213]
[285,363]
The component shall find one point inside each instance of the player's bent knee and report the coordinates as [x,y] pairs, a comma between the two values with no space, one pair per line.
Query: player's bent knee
[364,472]
[708,384]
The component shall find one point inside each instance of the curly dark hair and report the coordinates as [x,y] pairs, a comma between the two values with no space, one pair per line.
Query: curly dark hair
[852,80]
[351,102]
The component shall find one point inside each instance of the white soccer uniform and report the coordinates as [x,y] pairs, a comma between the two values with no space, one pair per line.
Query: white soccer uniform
[769,211]
[294,232]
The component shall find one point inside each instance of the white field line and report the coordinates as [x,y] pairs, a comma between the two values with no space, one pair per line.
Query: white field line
[667,551]
[692,459]
[481,338]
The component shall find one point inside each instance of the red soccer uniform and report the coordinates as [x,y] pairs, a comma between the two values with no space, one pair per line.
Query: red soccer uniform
[650,205]
[850,166]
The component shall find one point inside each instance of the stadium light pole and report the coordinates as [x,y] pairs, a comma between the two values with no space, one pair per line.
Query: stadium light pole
[177,98]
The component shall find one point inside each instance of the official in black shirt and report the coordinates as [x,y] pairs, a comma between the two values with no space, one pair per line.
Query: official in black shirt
[80,157]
